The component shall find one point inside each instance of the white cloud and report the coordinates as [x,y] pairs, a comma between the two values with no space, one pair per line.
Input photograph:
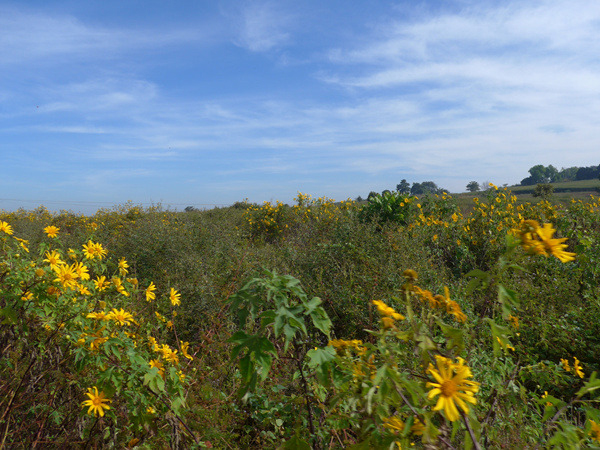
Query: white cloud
[261,25]
[27,37]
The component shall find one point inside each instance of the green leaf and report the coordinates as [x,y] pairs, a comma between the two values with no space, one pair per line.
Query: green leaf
[320,356]
[295,443]
[454,336]
[321,320]
[590,386]
[177,403]
[9,314]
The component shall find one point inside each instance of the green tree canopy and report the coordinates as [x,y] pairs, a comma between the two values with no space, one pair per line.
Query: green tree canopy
[403,187]
[473,186]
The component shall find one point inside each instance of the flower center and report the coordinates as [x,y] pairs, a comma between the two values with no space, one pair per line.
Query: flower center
[448,388]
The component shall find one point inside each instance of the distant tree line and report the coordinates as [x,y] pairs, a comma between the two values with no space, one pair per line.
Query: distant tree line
[550,174]
[404,187]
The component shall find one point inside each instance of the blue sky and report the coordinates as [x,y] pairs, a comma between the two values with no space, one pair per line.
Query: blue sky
[211,102]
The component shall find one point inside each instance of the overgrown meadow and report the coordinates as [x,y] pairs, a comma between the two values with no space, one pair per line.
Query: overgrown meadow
[402,322]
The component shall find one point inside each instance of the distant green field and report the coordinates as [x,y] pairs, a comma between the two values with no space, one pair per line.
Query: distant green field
[583,185]
[563,193]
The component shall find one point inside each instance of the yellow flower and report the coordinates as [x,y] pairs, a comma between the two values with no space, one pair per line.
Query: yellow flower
[150,295]
[83,290]
[91,250]
[100,283]
[410,275]
[554,246]
[82,271]
[565,364]
[27,296]
[452,387]
[118,283]
[123,267]
[174,297]
[156,363]
[67,276]
[23,243]
[184,350]
[388,322]
[538,240]
[51,231]
[53,258]
[387,311]
[546,395]
[393,423]
[101,315]
[96,402]
[595,431]
[120,316]
[577,369]
[6,228]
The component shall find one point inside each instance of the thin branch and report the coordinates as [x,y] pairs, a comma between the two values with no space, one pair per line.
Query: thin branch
[471,433]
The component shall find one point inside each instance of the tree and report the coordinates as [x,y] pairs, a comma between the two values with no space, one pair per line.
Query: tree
[473,186]
[426,187]
[543,190]
[416,189]
[403,187]
[552,173]
[588,173]
[537,176]
[372,194]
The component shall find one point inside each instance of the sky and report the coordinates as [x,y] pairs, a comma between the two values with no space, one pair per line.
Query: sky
[205,103]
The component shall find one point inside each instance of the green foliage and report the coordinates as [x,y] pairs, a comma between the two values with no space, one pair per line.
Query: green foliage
[473,186]
[544,309]
[543,190]
[387,207]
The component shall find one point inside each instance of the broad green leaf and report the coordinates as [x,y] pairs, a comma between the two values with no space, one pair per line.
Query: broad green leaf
[295,443]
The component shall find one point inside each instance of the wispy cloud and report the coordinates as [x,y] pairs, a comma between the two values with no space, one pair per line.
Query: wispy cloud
[27,36]
[261,25]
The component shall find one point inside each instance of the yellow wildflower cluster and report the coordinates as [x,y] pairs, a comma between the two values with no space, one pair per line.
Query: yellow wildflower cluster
[397,425]
[267,220]
[577,369]
[388,314]
[595,430]
[93,250]
[322,209]
[354,345]
[443,302]
[354,353]
[538,240]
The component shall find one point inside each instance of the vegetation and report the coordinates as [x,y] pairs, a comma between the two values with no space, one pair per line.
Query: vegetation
[539,174]
[406,320]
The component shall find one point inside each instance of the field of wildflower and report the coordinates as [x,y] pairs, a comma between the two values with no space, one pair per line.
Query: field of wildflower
[403,322]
